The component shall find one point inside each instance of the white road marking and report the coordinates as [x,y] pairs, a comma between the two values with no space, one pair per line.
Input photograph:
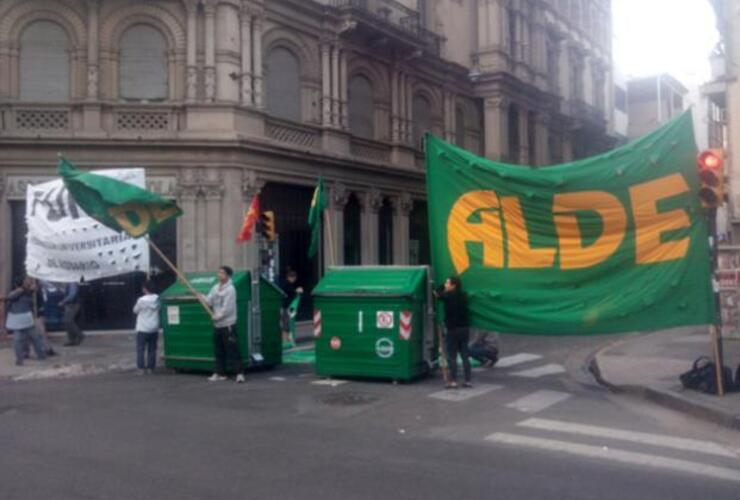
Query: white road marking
[538,401]
[329,382]
[458,395]
[516,359]
[278,379]
[634,437]
[540,371]
[615,455]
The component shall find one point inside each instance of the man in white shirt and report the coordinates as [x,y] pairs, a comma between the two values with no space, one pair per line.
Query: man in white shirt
[222,298]
[147,328]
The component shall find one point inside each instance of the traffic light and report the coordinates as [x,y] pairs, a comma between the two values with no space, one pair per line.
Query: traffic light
[711,173]
[267,225]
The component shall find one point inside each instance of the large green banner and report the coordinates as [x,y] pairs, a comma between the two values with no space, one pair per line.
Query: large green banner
[612,243]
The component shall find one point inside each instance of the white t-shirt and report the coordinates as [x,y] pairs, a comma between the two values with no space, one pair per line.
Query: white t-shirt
[147,313]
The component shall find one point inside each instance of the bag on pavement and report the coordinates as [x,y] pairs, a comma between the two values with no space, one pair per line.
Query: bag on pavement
[702,377]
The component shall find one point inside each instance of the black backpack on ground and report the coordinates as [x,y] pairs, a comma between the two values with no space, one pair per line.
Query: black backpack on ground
[702,377]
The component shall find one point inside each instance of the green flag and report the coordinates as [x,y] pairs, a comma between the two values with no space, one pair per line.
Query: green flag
[612,243]
[293,313]
[318,204]
[116,204]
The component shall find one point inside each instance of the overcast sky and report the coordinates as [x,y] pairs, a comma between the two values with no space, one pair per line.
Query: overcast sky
[664,36]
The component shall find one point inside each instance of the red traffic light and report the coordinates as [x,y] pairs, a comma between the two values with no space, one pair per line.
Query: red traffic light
[710,164]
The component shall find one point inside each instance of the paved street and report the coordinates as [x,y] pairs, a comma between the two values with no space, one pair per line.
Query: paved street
[534,427]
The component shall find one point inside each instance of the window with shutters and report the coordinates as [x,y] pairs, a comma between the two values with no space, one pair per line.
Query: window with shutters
[44,63]
[422,117]
[283,84]
[143,65]
[460,127]
[361,110]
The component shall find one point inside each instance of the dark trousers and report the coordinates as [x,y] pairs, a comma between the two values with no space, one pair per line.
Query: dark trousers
[146,343]
[74,332]
[482,353]
[457,343]
[226,348]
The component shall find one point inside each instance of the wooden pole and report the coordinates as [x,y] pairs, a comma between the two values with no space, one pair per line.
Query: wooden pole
[717,359]
[181,277]
[331,252]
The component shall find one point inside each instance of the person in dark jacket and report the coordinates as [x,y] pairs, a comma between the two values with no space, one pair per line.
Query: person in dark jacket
[457,329]
[71,304]
[20,320]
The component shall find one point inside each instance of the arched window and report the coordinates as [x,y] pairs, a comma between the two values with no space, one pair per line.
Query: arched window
[361,111]
[422,116]
[385,236]
[352,232]
[44,63]
[283,84]
[143,64]
[460,126]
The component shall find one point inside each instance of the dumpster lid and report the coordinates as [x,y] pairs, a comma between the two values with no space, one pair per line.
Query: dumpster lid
[202,282]
[372,281]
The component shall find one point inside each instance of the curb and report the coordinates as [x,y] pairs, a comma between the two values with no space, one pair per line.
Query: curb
[665,399]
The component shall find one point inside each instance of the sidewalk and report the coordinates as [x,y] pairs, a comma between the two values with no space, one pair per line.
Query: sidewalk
[648,365]
[100,352]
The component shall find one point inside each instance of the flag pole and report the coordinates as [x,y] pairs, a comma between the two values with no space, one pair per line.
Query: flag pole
[181,276]
[331,252]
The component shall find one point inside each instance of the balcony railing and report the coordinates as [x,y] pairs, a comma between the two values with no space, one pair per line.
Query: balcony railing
[370,150]
[295,134]
[390,13]
[46,119]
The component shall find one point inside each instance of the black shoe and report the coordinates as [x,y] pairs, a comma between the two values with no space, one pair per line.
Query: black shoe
[51,352]
[69,344]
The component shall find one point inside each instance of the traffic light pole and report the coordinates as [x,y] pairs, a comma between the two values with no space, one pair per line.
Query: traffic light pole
[715,329]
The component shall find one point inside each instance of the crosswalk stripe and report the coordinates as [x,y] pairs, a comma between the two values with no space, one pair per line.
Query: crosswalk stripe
[540,371]
[615,455]
[538,401]
[278,379]
[516,359]
[634,437]
[329,382]
[464,394]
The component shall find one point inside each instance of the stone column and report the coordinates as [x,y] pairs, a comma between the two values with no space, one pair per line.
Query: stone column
[564,62]
[344,91]
[210,66]
[542,135]
[395,107]
[258,79]
[214,194]
[335,111]
[409,99]
[567,147]
[524,146]
[228,48]
[370,203]
[191,84]
[5,243]
[496,127]
[188,252]
[402,206]
[449,116]
[93,9]
[326,83]
[246,49]
[334,229]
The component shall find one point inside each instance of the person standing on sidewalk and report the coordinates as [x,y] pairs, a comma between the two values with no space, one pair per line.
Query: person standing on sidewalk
[222,298]
[20,320]
[458,332]
[147,328]
[71,304]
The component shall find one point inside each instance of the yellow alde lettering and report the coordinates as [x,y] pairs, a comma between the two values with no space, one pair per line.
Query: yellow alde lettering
[650,224]
[521,254]
[573,254]
[487,231]
[123,215]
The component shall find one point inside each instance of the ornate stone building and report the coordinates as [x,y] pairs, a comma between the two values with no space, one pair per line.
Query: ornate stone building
[223,99]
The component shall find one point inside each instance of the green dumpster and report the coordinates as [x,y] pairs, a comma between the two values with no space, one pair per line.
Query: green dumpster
[188,330]
[373,322]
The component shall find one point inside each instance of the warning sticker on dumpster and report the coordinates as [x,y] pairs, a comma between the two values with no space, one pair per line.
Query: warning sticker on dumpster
[384,319]
[173,315]
[384,348]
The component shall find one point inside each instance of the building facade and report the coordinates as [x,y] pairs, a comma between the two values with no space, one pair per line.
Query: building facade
[223,99]
[652,102]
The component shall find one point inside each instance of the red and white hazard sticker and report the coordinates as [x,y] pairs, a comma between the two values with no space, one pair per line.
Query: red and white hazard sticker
[336,343]
[404,328]
[317,323]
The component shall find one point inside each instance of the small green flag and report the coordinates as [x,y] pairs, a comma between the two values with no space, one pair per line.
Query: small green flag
[318,204]
[293,313]
[116,204]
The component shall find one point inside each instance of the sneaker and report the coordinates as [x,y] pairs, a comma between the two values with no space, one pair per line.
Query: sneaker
[467,385]
[216,378]
[240,379]
[451,385]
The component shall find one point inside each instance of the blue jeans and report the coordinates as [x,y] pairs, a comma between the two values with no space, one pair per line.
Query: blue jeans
[146,342]
[21,337]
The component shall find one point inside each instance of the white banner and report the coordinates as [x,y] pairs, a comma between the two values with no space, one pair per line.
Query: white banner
[65,244]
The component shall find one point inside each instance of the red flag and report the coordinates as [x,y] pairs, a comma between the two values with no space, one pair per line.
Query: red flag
[250,219]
